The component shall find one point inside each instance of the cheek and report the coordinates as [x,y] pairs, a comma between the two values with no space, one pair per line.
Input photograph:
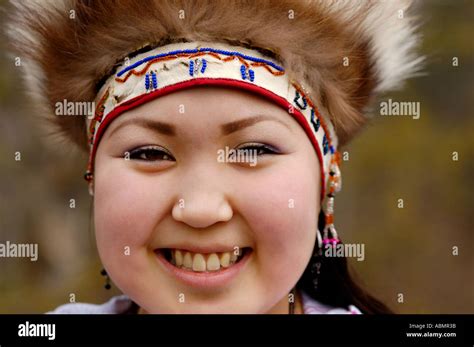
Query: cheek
[281,207]
[126,209]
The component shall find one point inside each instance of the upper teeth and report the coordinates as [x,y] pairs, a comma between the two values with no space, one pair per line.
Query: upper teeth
[204,262]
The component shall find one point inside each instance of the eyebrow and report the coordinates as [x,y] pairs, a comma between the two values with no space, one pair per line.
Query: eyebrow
[232,127]
[160,127]
[169,130]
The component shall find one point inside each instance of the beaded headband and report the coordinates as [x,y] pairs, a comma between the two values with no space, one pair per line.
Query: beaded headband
[177,66]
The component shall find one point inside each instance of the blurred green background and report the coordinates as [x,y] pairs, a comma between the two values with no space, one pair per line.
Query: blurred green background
[408,251]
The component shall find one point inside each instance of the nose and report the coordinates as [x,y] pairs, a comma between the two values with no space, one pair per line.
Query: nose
[203,205]
[202,211]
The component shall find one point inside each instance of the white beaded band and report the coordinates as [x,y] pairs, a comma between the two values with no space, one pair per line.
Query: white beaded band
[183,65]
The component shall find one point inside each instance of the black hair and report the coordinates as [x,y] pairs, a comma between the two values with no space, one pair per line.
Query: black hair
[336,285]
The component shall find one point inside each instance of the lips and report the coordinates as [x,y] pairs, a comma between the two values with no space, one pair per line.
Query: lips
[199,270]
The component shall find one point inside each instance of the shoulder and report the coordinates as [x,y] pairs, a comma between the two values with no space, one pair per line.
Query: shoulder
[116,305]
[312,306]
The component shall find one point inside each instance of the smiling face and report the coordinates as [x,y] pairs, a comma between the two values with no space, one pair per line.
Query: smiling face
[176,200]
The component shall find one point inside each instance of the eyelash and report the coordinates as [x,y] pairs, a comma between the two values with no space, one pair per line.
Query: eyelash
[136,154]
[260,146]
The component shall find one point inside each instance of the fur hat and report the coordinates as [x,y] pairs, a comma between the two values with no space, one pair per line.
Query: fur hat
[344,52]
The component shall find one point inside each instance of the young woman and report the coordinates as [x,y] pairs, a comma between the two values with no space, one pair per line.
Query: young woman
[213,148]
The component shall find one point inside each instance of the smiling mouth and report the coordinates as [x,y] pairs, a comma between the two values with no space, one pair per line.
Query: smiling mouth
[203,262]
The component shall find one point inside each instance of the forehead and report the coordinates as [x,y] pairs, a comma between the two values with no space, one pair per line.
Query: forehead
[207,105]
[211,98]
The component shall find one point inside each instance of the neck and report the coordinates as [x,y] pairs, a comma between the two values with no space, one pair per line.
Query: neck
[282,307]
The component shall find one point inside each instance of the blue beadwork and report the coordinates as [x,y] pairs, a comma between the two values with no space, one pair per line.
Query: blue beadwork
[325,145]
[193,68]
[243,72]
[332,149]
[252,75]
[154,80]
[315,121]
[147,81]
[296,100]
[189,51]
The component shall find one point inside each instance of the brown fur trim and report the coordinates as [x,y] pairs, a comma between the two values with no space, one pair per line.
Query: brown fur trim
[66,58]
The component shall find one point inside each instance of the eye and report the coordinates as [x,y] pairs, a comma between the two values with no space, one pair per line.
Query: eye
[260,148]
[151,153]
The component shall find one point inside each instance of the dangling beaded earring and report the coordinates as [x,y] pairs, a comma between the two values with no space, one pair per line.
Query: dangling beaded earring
[318,252]
[89,178]
[329,233]
[107,279]
[316,262]
[335,185]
